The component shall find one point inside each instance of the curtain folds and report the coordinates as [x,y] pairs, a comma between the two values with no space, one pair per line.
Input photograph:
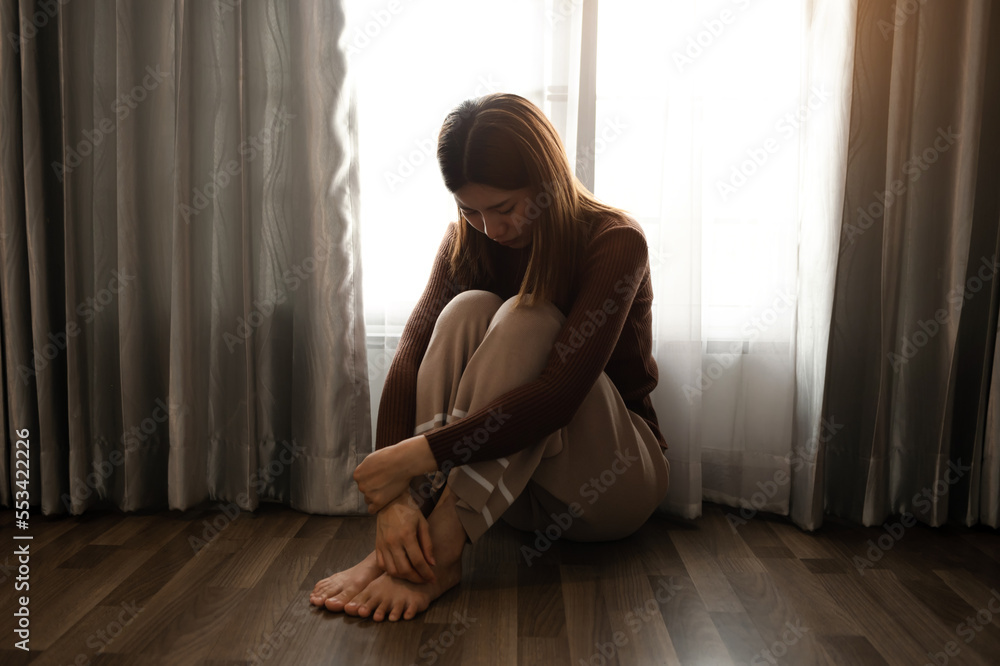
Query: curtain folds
[912,373]
[182,313]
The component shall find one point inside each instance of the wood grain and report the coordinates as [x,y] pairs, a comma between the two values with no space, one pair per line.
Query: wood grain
[193,588]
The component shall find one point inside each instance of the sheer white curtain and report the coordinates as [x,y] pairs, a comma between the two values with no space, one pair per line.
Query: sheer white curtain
[725,132]
[721,126]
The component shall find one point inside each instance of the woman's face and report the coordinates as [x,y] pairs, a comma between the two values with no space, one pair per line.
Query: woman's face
[497,213]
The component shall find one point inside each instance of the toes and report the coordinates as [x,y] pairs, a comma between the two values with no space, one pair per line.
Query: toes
[411,611]
[324,594]
[354,606]
[361,606]
[324,589]
[382,609]
[335,604]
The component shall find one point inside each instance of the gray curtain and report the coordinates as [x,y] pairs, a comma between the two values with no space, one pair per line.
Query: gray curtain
[912,379]
[181,290]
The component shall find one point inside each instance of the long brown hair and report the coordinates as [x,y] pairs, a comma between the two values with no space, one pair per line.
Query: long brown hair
[504,141]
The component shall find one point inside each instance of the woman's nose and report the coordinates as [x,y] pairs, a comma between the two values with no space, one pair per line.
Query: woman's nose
[495,228]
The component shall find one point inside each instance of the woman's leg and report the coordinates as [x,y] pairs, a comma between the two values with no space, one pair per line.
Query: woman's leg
[606,464]
[460,328]
[480,349]
[605,481]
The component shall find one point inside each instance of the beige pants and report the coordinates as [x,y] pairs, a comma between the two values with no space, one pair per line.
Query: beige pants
[598,478]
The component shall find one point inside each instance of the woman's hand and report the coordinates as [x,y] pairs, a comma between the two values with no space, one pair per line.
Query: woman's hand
[385,474]
[403,541]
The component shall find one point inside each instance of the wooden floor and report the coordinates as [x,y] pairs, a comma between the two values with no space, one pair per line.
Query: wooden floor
[108,588]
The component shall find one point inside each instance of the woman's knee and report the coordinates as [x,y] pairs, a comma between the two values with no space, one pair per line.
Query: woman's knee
[542,318]
[466,316]
[472,304]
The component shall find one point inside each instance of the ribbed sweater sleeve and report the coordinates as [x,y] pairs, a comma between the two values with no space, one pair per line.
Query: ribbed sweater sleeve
[398,404]
[616,263]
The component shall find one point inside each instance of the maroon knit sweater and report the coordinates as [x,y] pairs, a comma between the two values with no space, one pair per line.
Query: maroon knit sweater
[608,328]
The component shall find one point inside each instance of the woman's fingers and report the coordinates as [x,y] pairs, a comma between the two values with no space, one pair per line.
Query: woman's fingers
[423,570]
[424,534]
[376,500]
[390,563]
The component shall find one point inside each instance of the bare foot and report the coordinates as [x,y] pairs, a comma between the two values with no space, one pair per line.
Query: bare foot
[334,592]
[395,598]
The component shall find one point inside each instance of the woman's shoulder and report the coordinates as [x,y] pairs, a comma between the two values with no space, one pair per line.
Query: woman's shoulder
[612,227]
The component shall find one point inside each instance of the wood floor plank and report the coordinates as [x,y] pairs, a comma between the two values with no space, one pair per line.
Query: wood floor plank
[652,544]
[394,643]
[160,533]
[976,622]
[694,637]
[636,614]
[540,611]
[705,574]
[75,592]
[762,540]
[319,527]
[250,562]
[532,651]
[719,538]
[444,644]
[194,627]
[88,557]
[852,650]
[939,544]
[124,530]
[111,659]
[587,623]
[984,540]
[887,632]
[84,640]
[270,598]
[971,589]
[47,555]
[740,636]
[15,657]
[778,622]
[173,551]
[728,565]
[804,545]
[825,565]
[488,567]
[926,628]
[810,599]
[267,521]
[163,614]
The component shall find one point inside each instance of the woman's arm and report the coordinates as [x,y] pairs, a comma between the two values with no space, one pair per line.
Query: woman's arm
[398,404]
